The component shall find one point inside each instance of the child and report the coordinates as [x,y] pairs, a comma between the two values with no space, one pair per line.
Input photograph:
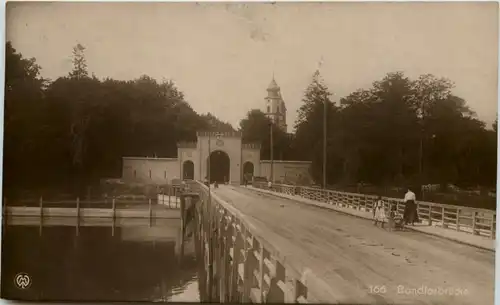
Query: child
[392,215]
[379,211]
[397,218]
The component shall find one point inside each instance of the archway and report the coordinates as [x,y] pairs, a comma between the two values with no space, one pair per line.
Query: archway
[248,170]
[219,166]
[188,170]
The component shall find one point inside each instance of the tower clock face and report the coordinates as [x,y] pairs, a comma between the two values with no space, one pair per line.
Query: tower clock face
[219,142]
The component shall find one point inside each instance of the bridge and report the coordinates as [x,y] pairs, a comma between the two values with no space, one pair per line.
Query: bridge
[305,245]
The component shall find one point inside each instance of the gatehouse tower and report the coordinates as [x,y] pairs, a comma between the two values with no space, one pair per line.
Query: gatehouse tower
[275,105]
[221,156]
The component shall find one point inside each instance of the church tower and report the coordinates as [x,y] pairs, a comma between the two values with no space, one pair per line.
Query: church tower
[275,106]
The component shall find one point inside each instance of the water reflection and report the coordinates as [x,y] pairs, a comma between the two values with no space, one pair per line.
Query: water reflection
[98,263]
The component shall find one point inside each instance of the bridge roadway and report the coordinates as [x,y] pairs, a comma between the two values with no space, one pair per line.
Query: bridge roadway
[353,257]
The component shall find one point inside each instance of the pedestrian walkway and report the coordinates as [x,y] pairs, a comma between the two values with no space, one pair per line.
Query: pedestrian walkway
[461,237]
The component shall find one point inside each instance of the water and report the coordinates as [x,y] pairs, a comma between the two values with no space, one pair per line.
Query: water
[98,263]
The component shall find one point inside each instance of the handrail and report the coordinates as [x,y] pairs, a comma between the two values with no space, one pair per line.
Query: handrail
[271,270]
[375,196]
[171,192]
[145,200]
[470,220]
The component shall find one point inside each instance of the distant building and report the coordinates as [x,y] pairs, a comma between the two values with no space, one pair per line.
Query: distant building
[224,153]
[275,106]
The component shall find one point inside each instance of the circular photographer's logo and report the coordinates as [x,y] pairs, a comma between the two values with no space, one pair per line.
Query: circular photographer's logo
[22,280]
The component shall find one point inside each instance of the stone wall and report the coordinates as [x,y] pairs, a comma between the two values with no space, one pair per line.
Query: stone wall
[251,154]
[163,170]
[189,154]
[150,170]
[285,170]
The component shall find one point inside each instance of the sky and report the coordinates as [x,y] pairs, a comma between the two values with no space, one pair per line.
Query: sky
[223,55]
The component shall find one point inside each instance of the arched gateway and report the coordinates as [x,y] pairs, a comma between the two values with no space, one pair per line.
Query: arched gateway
[248,171]
[236,160]
[219,167]
[228,159]
[221,153]
[188,170]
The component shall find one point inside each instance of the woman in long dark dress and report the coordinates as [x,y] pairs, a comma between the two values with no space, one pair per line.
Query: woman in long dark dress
[410,214]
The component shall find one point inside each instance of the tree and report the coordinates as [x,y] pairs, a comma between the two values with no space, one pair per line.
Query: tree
[24,120]
[214,124]
[79,63]
[381,135]
[256,128]
[316,94]
[308,141]
[70,133]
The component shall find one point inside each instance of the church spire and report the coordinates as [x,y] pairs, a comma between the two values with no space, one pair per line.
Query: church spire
[275,106]
[273,86]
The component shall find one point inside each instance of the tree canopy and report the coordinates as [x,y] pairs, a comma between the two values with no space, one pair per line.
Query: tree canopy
[397,132]
[73,131]
[256,128]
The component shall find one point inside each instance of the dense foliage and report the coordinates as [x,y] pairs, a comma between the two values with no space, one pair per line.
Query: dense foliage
[70,132]
[256,128]
[398,132]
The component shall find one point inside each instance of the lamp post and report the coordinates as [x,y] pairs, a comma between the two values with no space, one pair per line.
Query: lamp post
[208,163]
[316,78]
[324,144]
[210,225]
[421,150]
[272,151]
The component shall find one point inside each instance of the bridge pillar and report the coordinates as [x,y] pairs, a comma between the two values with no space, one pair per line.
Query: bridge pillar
[216,250]
[200,247]
[237,259]
[188,205]
[209,249]
[275,294]
[248,262]
[224,257]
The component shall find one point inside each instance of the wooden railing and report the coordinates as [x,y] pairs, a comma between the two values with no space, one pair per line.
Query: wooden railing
[110,208]
[464,219]
[169,197]
[240,265]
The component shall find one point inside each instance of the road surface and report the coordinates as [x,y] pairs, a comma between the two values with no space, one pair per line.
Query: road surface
[357,259]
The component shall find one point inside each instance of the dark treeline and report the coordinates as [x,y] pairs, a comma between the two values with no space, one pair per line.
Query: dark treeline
[256,127]
[396,133]
[400,132]
[70,132]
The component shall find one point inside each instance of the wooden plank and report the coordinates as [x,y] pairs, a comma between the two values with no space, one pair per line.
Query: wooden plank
[90,222]
[91,212]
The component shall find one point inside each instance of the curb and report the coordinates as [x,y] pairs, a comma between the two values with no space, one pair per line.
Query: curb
[454,240]
[325,206]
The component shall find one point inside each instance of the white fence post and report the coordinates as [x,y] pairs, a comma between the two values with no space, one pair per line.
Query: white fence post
[474,231]
[430,215]
[492,227]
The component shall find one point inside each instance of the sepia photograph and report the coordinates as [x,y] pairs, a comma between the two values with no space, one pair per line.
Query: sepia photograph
[250,152]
